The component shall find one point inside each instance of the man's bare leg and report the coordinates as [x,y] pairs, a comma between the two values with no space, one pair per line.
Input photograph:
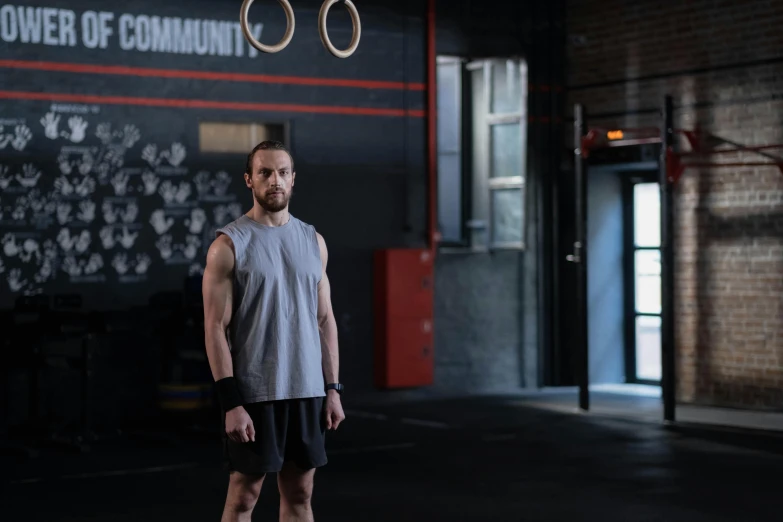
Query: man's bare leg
[243,491]
[296,490]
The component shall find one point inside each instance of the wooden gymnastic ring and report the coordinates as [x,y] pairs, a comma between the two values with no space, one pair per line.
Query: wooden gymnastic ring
[289,30]
[357,28]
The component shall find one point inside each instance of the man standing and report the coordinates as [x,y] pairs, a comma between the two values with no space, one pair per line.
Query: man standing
[271,340]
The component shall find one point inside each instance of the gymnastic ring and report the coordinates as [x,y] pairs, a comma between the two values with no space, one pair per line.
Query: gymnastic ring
[357,28]
[289,30]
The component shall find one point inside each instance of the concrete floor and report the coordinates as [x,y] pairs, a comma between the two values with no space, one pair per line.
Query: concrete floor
[473,459]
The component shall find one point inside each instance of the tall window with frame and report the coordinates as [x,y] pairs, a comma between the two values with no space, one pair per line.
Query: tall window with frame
[499,151]
[488,142]
[643,280]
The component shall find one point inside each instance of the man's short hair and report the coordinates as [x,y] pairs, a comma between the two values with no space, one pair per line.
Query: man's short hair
[267,145]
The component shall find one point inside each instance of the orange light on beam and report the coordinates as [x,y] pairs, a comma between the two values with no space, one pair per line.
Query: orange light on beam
[614,135]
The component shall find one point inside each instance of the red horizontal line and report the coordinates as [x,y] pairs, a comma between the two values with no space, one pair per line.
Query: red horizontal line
[206,104]
[205,75]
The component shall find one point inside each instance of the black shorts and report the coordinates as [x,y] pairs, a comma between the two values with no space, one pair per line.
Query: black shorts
[289,430]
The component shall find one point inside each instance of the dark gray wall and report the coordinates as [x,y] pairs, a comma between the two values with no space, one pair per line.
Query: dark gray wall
[605,277]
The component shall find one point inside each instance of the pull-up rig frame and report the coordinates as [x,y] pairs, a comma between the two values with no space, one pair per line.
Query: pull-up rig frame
[672,165]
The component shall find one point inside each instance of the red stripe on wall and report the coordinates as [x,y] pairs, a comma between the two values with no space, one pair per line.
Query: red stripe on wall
[206,104]
[205,75]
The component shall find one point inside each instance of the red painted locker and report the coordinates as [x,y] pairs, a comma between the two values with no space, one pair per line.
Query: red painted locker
[403,299]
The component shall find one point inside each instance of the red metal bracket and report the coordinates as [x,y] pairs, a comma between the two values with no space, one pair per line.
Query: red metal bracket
[701,144]
[588,140]
[674,166]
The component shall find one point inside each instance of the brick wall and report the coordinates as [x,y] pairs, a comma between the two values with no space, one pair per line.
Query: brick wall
[721,61]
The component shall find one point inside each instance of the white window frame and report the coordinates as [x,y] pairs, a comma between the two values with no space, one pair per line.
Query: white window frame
[480,227]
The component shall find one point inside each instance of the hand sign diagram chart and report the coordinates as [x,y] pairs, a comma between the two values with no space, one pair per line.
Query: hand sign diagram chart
[110,202]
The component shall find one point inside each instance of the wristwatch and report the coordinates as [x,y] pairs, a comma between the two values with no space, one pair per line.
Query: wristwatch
[335,386]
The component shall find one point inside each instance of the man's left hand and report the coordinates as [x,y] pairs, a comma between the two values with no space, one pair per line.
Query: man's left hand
[334,410]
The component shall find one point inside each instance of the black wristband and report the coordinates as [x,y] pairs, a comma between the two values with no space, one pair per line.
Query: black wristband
[228,393]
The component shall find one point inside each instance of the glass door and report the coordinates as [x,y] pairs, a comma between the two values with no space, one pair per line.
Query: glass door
[643,282]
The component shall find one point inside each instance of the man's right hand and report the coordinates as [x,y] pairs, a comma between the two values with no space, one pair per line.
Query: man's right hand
[239,425]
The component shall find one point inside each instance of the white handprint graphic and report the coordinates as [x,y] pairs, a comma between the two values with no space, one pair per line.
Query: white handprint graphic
[29,177]
[29,250]
[183,192]
[5,139]
[10,248]
[107,237]
[5,178]
[50,123]
[65,240]
[83,242]
[66,167]
[168,191]
[85,187]
[120,263]
[142,263]
[150,155]
[197,219]
[110,214]
[120,183]
[71,267]
[22,135]
[63,186]
[221,183]
[45,272]
[88,160]
[50,207]
[191,246]
[64,213]
[49,249]
[202,182]
[176,155]
[195,269]
[164,246]
[130,135]
[15,281]
[150,182]
[78,129]
[37,202]
[115,156]
[127,239]
[103,132]
[94,264]
[103,171]
[86,211]
[130,213]
[160,223]
[20,210]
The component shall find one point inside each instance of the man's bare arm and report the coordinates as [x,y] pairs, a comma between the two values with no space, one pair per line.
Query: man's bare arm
[327,325]
[217,290]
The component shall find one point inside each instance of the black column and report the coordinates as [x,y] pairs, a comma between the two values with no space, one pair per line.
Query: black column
[667,264]
[579,258]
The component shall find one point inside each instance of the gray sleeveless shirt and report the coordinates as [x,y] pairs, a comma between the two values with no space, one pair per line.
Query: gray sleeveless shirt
[273,335]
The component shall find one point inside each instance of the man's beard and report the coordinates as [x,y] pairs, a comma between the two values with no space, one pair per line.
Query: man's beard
[273,204]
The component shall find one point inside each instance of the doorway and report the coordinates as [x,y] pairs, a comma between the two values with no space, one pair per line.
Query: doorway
[642,277]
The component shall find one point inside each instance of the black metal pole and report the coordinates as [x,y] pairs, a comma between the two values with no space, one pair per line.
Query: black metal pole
[580,257]
[667,264]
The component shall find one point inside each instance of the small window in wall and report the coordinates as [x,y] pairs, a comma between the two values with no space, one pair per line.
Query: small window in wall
[450,172]
[499,97]
[482,152]
[237,137]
